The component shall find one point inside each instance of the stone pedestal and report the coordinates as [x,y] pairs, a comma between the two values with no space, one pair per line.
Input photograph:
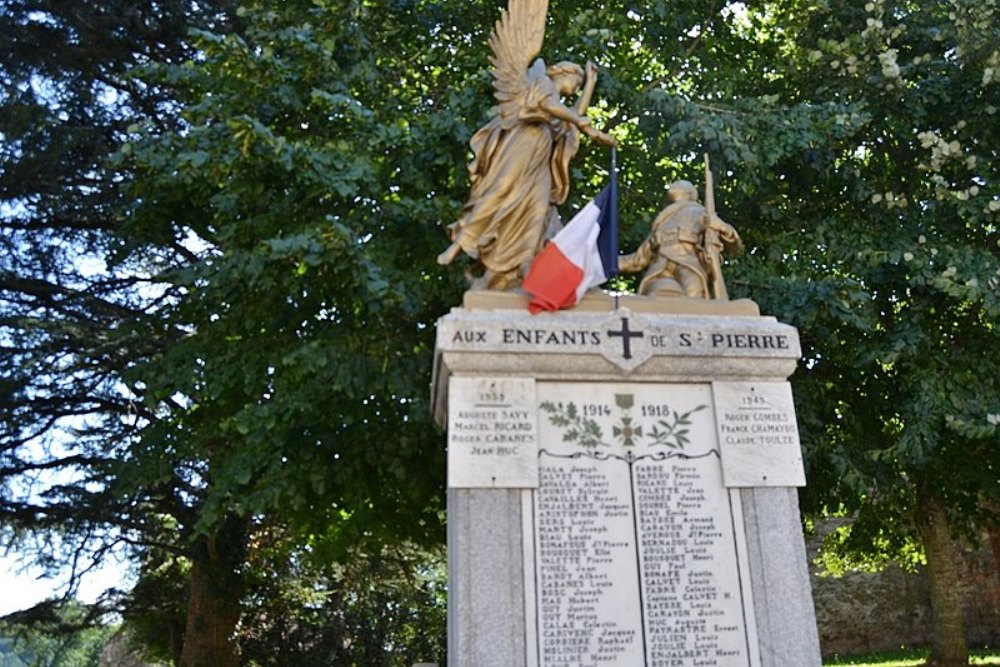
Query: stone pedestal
[622,485]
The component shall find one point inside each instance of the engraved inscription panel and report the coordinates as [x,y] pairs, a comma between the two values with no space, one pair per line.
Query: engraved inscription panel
[492,433]
[638,546]
[624,337]
[758,434]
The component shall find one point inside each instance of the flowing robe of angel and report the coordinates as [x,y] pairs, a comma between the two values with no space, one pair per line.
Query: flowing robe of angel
[519,174]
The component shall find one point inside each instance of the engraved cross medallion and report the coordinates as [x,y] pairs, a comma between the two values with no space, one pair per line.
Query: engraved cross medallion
[626,337]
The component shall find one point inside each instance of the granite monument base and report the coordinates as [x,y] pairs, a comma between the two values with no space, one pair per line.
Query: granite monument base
[622,487]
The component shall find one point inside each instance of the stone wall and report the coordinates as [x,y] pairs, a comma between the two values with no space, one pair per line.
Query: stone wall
[863,612]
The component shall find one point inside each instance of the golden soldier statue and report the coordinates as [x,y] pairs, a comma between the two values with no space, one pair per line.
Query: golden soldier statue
[682,254]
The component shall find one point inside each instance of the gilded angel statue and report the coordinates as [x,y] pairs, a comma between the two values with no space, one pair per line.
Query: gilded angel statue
[520,166]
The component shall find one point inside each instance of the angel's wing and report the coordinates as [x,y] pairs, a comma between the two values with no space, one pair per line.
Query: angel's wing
[515,41]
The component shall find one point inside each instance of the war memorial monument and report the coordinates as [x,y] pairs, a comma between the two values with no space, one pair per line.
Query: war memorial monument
[622,473]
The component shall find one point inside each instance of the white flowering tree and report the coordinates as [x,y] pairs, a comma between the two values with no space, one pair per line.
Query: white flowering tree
[859,145]
[856,149]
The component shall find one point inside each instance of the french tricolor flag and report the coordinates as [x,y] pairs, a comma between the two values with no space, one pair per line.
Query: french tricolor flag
[582,255]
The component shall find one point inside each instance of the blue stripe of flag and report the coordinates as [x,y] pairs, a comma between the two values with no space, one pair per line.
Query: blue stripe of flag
[607,240]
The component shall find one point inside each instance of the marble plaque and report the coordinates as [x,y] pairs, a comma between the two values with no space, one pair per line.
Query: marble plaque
[492,433]
[637,552]
[758,434]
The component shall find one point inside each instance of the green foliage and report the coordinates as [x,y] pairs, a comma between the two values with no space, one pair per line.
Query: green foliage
[384,607]
[907,658]
[862,170]
[265,314]
[265,195]
[855,149]
[66,639]
[896,282]
[309,300]
[68,327]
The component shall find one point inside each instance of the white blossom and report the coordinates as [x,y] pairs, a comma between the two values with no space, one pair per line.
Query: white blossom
[890,68]
[990,70]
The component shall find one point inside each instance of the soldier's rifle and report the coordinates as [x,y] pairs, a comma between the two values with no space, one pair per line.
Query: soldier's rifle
[713,244]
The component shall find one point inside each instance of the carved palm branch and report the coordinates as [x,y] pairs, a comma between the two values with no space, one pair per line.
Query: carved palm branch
[516,40]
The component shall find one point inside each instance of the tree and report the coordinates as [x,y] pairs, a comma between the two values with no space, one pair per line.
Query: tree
[859,150]
[381,607]
[299,388]
[267,350]
[66,640]
[68,328]
[855,149]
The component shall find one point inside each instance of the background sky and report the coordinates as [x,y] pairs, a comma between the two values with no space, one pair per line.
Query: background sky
[21,588]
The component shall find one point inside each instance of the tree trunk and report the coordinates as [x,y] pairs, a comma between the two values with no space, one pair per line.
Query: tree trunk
[214,598]
[949,649]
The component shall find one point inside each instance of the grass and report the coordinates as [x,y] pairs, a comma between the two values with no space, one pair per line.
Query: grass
[910,658]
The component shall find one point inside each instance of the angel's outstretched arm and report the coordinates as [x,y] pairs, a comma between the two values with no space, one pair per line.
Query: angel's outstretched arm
[555,108]
[588,89]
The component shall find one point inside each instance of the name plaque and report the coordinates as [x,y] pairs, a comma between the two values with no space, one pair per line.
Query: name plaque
[637,553]
[758,434]
[492,433]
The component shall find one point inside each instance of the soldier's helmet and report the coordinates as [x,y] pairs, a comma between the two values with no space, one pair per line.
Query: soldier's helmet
[682,190]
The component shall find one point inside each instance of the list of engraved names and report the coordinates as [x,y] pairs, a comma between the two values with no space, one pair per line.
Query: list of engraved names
[583,534]
[685,541]
[635,543]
